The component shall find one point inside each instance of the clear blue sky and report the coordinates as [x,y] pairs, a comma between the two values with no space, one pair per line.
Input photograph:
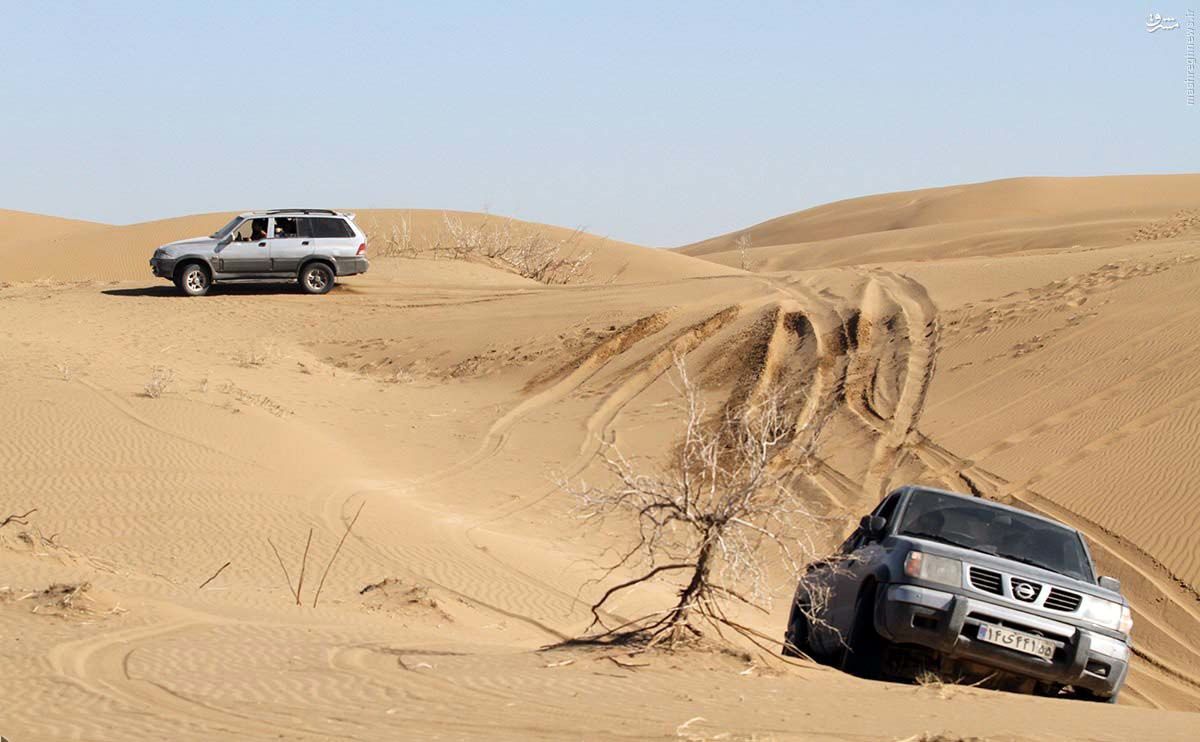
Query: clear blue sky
[653,122]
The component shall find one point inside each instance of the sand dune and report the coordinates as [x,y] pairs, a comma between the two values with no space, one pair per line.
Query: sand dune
[1052,366]
[1001,217]
[20,225]
[33,247]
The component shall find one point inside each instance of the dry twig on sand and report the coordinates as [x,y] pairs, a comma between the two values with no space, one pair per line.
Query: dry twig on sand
[298,590]
[18,519]
[285,572]
[215,574]
[321,584]
[303,565]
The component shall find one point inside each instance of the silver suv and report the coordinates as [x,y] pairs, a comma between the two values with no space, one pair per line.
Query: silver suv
[310,246]
[961,586]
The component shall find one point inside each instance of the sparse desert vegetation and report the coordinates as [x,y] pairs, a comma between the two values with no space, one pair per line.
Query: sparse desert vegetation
[717,514]
[527,250]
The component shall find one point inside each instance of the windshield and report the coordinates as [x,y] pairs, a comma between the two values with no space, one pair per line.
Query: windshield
[220,233]
[978,526]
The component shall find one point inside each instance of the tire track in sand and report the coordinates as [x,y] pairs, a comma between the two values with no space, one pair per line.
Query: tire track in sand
[921,326]
[497,435]
[100,665]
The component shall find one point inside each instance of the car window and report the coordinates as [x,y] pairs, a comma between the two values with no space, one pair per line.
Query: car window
[888,507]
[331,228]
[220,233]
[251,230]
[287,227]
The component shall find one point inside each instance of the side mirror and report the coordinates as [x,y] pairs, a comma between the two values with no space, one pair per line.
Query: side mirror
[225,240]
[872,525]
[1110,583]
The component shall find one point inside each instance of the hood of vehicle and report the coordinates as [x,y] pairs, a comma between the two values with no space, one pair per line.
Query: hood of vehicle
[190,244]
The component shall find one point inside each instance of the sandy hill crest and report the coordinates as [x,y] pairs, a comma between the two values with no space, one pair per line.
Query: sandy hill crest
[996,217]
[34,247]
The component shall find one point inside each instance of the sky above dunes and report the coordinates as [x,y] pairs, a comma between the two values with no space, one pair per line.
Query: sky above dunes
[658,123]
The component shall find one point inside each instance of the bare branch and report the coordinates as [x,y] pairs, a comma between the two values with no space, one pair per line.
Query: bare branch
[285,572]
[329,566]
[720,506]
[18,519]
[215,574]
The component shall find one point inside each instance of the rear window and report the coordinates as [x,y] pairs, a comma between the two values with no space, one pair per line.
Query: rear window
[330,228]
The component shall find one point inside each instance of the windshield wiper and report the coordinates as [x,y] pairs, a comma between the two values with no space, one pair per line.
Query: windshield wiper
[1035,563]
[942,539]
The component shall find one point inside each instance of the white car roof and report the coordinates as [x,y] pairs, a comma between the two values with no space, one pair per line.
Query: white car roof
[296,212]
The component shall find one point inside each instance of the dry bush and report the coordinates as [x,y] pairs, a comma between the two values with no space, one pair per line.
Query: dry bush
[395,241]
[505,243]
[527,251]
[159,380]
[717,512]
[254,355]
[743,245]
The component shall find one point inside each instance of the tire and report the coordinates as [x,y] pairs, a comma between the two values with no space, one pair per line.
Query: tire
[864,654]
[1083,694]
[795,639]
[316,278]
[193,279]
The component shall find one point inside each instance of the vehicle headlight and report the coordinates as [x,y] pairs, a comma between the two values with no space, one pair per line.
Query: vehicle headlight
[933,568]
[1106,613]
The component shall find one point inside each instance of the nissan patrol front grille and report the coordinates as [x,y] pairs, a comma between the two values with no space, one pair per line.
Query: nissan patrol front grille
[1061,600]
[986,580]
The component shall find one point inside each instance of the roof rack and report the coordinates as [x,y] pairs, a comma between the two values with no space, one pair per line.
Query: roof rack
[300,211]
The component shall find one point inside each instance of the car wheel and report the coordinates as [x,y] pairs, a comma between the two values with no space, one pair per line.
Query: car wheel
[1084,694]
[865,649]
[193,279]
[795,640]
[316,278]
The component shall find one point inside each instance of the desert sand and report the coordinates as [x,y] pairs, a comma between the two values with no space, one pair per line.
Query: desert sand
[1034,341]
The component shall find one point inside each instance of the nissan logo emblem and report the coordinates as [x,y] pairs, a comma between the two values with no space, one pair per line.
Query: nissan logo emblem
[1025,591]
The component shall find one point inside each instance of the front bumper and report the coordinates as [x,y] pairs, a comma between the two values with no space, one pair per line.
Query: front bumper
[162,267]
[947,623]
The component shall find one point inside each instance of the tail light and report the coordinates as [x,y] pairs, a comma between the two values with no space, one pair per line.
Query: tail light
[362,249]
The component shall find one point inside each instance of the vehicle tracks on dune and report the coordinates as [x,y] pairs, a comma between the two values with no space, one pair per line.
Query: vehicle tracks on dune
[101,665]
[497,434]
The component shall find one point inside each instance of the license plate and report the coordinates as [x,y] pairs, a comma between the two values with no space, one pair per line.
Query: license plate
[1020,641]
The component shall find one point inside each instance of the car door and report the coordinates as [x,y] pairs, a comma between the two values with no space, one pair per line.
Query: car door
[825,581]
[291,241]
[248,251]
[856,560]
